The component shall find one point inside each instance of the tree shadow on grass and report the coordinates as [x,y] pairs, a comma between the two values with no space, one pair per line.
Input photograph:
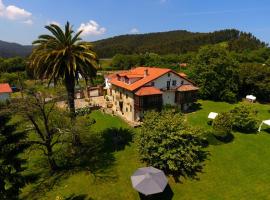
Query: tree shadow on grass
[116,139]
[167,194]
[195,107]
[94,157]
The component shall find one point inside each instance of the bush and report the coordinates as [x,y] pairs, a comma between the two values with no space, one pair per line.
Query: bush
[244,118]
[168,143]
[83,111]
[222,126]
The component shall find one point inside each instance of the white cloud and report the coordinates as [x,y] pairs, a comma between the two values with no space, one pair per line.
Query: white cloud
[28,22]
[134,31]
[12,12]
[91,28]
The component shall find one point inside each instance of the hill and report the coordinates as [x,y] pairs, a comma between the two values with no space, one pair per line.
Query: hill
[8,49]
[174,42]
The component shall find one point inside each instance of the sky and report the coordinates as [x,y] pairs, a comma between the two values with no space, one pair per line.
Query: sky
[22,21]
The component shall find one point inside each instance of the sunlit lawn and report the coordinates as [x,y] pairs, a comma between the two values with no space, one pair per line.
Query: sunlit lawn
[236,170]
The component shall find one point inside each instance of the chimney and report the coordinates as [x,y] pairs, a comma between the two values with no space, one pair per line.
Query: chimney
[146,72]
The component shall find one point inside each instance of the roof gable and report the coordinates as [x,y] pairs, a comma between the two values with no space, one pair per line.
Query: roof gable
[5,88]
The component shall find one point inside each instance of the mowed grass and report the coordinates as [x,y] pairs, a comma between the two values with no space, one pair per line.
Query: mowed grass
[236,170]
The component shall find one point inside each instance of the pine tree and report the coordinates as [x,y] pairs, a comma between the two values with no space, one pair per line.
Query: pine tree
[11,146]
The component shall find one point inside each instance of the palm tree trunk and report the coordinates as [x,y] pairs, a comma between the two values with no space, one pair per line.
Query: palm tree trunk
[70,87]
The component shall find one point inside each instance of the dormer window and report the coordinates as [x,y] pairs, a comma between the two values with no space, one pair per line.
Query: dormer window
[169,74]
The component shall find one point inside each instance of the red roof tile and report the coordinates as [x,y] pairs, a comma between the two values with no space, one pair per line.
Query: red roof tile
[145,91]
[187,87]
[5,88]
[153,73]
[182,74]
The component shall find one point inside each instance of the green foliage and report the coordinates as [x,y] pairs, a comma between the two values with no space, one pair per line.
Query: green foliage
[216,73]
[174,42]
[83,111]
[63,56]
[12,64]
[11,146]
[244,118]
[255,79]
[166,142]
[222,125]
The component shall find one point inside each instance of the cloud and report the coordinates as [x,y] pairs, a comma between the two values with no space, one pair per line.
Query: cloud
[28,22]
[12,12]
[134,31]
[91,28]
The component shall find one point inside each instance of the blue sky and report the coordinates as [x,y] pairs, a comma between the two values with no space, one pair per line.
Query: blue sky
[23,20]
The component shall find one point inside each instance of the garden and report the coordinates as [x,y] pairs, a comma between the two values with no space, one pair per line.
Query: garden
[233,170]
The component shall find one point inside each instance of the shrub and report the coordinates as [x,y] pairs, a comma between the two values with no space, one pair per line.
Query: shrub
[244,118]
[222,126]
[83,111]
[168,143]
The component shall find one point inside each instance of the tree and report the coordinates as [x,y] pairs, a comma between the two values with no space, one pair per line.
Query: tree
[216,73]
[244,118]
[168,143]
[47,123]
[255,79]
[222,126]
[11,146]
[63,56]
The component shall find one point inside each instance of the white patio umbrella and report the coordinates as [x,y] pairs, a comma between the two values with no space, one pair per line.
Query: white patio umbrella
[212,115]
[267,122]
[251,98]
[149,180]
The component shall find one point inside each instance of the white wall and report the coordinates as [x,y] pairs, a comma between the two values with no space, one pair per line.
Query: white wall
[4,96]
[161,82]
[168,97]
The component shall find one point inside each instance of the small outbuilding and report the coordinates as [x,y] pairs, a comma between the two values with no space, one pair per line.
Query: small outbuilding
[5,91]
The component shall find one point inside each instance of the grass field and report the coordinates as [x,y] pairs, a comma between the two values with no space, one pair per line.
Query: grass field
[236,170]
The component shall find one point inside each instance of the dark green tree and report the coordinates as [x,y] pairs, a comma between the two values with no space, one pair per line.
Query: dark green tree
[222,126]
[168,143]
[216,73]
[11,165]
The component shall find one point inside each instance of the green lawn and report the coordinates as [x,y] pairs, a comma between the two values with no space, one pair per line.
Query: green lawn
[236,170]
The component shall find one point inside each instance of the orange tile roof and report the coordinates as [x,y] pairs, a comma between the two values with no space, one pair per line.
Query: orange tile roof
[144,91]
[153,73]
[5,88]
[182,74]
[187,87]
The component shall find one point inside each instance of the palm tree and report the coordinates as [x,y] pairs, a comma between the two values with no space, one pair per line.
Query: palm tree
[63,56]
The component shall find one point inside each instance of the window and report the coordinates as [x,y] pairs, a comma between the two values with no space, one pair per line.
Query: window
[174,82]
[168,85]
[130,108]
[182,82]
[126,96]
[169,74]
[126,109]
[153,84]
